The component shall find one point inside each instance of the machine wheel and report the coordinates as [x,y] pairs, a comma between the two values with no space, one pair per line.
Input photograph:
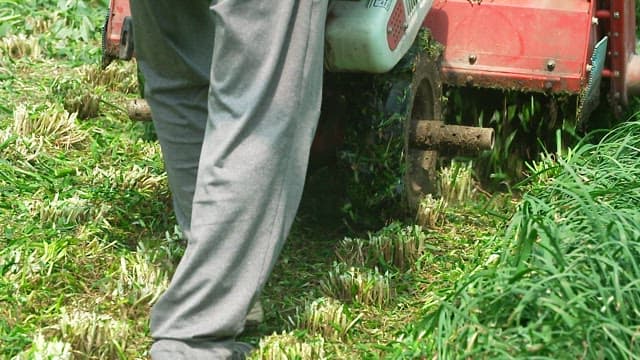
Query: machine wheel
[126,40]
[423,103]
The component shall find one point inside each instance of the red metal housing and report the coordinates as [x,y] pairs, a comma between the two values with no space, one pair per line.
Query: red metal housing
[618,21]
[523,45]
[531,45]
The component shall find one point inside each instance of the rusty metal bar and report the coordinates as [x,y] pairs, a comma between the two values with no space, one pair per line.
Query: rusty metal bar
[138,110]
[435,135]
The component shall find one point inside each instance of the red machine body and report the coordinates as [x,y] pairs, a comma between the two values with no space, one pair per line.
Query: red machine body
[514,44]
[523,45]
[536,45]
[618,20]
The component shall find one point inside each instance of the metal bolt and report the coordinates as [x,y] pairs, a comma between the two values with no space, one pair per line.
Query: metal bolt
[389,30]
[469,79]
[405,26]
[589,67]
[595,21]
[551,65]
[616,14]
[472,59]
[616,73]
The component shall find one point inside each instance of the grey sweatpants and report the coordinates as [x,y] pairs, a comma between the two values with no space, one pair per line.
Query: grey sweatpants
[234,88]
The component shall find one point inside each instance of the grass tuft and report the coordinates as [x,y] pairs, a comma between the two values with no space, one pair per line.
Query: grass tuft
[430,212]
[38,25]
[42,349]
[143,179]
[118,76]
[20,46]
[94,335]
[353,251]
[364,286]
[52,123]
[326,317]
[394,247]
[86,104]
[286,346]
[397,247]
[456,183]
[140,280]
[71,211]
[27,148]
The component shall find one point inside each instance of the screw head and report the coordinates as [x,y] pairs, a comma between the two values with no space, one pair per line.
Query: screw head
[473,58]
[616,14]
[551,65]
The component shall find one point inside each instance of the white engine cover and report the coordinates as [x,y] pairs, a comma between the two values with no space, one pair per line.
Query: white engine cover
[371,35]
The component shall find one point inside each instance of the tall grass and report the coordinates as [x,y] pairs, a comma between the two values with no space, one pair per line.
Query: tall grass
[567,284]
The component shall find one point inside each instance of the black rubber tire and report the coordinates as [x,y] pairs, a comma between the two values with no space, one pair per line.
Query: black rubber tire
[126,39]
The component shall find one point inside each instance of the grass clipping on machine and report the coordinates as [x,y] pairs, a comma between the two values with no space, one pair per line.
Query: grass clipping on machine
[567,281]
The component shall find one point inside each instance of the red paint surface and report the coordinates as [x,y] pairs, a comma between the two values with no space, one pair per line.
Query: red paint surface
[621,27]
[395,26]
[512,41]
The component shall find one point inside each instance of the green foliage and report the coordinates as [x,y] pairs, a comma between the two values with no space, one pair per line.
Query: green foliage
[566,281]
[89,240]
[373,153]
[525,125]
[65,28]
[75,194]
[371,157]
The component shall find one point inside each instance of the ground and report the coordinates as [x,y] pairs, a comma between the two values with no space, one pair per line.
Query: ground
[88,239]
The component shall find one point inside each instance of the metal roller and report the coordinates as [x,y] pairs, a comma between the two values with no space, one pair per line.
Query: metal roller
[436,135]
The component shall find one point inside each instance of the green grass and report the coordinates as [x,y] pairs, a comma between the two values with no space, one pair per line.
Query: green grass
[88,239]
[566,284]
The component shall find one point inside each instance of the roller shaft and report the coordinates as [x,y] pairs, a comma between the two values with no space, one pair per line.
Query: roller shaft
[138,110]
[435,135]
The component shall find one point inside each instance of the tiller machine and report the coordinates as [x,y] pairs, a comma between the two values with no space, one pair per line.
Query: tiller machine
[584,48]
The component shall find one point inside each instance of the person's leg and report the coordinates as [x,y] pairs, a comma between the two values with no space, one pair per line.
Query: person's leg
[264,103]
[173,44]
